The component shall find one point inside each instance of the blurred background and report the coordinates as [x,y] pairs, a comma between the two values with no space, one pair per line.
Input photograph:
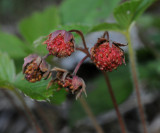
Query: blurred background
[24,21]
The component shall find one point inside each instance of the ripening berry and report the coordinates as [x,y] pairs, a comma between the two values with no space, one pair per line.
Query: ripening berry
[72,83]
[60,43]
[107,57]
[35,68]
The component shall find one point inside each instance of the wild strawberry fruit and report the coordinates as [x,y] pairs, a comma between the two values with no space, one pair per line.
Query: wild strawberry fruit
[35,68]
[72,83]
[60,43]
[107,57]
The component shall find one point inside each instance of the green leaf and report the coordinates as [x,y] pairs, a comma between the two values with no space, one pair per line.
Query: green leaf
[86,11]
[81,27]
[129,11]
[39,24]
[106,26]
[12,45]
[38,90]
[7,68]
[58,96]
[5,84]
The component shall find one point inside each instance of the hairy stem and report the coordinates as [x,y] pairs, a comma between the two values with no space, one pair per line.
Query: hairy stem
[83,39]
[82,36]
[30,115]
[46,56]
[122,125]
[83,50]
[79,64]
[91,116]
[12,101]
[135,80]
[108,83]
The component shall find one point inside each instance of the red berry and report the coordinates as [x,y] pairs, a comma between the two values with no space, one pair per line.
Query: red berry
[35,68]
[107,57]
[60,43]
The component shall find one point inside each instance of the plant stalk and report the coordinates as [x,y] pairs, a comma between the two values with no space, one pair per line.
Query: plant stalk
[32,118]
[91,116]
[79,64]
[135,80]
[121,122]
[11,100]
[46,56]
[86,107]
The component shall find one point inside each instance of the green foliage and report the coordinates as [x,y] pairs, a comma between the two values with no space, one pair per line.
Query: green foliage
[107,26]
[37,91]
[7,68]
[125,15]
[39,24]
[58,96]
[82,15]
[151,73]
[128,12]
[12,45]
[86,11]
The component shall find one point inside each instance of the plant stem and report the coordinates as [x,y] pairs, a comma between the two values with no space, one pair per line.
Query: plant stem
[135,80]
[83,50]
[82,100]
[12,101]
[106,34]
[91,116]
[79,64]
[122,126]
[32,118]
[46,56]
[82,37]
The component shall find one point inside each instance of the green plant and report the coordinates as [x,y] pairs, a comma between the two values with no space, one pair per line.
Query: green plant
[41,24]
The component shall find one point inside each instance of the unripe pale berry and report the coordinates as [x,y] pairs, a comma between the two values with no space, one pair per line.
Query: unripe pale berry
[60,43]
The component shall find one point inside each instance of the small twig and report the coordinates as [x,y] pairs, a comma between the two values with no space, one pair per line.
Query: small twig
[79,64]
[46,56]
[91,116]
[122,125]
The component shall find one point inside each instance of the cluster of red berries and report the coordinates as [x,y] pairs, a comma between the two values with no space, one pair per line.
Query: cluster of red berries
[61,44]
